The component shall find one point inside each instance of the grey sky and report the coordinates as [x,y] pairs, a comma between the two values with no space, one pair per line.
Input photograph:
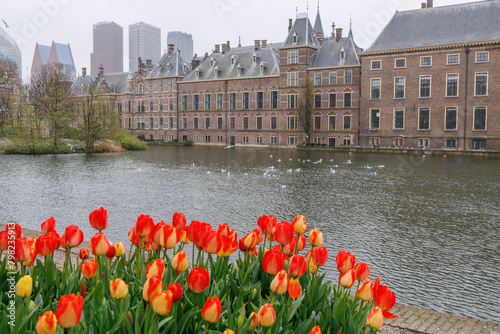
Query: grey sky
[209,21]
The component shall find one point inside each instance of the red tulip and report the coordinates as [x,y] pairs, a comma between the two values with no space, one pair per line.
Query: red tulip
[99,219]
[83,290]
[89,268]
[165,235]
[134,239]
[299,224]
[211,310]
[316,330]
[280,283]
[266,224]
[258,235]
[375,318]
[152,287]
[99,245]
[273,262]
[180,261]
[228,246]
[32,258]
[384,298]
[223,229]
[183,236]
[69,310]
[57,238]
[290,248]
[362,271]
[365,291]
[162,302]
[157,267]
[315,237]
[47,323]
[198,279]
[347,279]
[110,254]
[48,225]
[294,288]
[83,253]
[249,241]
[320,256]
[179,220]
[267,316]
[283,233]
[197,232]
[177,291]
[298,266]
[144,226]
[4,240]
[45,244]
[212,242]
[345,260]
[72,237]
[301,242]
[255,321]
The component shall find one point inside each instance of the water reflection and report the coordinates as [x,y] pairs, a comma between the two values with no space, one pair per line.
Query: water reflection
[428,225]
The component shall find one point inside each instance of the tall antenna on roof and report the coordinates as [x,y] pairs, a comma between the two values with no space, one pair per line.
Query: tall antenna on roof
[318,5]
[307,24]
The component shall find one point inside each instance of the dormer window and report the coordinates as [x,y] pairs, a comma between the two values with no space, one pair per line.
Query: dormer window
[212,62]
[184,68]
[198,72]
[238,69]
[216,71]
[169,67]
[295,38]
[342,54]
[263,67]
[232,60]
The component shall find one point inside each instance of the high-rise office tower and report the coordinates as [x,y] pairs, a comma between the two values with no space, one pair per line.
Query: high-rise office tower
[108,48]
[144,42]
[10,50]
[182,42]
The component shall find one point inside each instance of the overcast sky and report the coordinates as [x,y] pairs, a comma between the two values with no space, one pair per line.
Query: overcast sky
[209,21]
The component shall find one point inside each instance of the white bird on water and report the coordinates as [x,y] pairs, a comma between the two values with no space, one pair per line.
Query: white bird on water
[289,170]
[279,160]
[297,170]
[348,162]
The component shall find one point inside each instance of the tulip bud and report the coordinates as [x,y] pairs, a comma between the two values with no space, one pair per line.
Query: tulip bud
[211,310]
[156,268]
[294,288]
[118,289]
[45,244]
[177,291]
[228,331]
[180,261]
[120,249]
[347,279]
[48,225]
[255,321]
[298,266]
[165,235]
[72,237]
[283,233]
[99,245]
[273,262]
[31,306]
[299,224]
[152,287]
[345,260]
[99,219]
[198,279]
[83,253]
[47,323]
[89,268]
[24,286]
[279,284]
[266,224]
[144,226]
[313,269]
[375,318]
[241,318]
[267,316]
[365,291]
[162,302]
[179,221]
[315,237]
[320,256]
[31,260]
[69,310]
[254,292]
[362,271]
[315,330]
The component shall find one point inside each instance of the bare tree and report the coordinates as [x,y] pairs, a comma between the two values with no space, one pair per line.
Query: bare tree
[305,108]
[9,87]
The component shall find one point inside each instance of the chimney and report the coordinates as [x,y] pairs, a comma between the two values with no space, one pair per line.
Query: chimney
[338,34]
[257,44]
[224,48]
[148,64]
[217,48]
[84,72]
[430,3]
[195,62]
[424,5]
[319,37]
[264,43]
[101,70]
[228,45]
[290,21]
[170,49]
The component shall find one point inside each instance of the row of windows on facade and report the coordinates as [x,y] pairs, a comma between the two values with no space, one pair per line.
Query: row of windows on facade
[451,59]
[293,78]
[292,123]
[293,56]
[451,89]
[140,87]
[424,119]
[448,143]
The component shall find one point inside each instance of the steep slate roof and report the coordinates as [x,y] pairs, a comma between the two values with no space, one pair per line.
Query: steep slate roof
[302,27]
[81,84]
[446,25]
[64,54]
[116,82]
[176,62]
[44,53]
[328,54]
[243,57]
[318,26]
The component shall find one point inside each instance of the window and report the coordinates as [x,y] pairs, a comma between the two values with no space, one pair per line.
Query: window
[398,142]
[375,89]
[140,89]
[317,101]
[400,63]
[376,64]
[140,106]
[245,122]
[399,88]
[425,86]
[451,118]
[171,122]
[232,101]
[291,122]
[425,61]
[399,119]
[374,141]
[333,77]
[274,122]
[374,119]
[292,101]
[482,84]
[119,108]
[219,123]
[453,59]
[140,123]
[295,38]
[317,122]
[207,101]
[260,100]
[331,122]
[160,85]
[347,100]
[207,139]
[317,141]
[219,138]
[479,144]
[317,78]
[274,140]
[232,122]
[245,139]
[184,122]
[482,57]
[291,140]
[423,118]
[129,106]
[184,102]
[195,138]
[333,100]
[195,122]
[171,85]
[259,139]
[246,100]
[452,85]
[150,122]
[293,79]
[219,101]
[171,103]
[195,102]
[342,55]
[348,77]
[207,123]
[450,143]
[259,123]
[347,122]
[151,86]
[160,120]
[151,105]
[480,118]
[160,104]
[346,141]
[293,57]
[423,142]
[274,100]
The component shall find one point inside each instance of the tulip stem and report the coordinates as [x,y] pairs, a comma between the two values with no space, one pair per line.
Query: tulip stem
[153,324]
[206,327]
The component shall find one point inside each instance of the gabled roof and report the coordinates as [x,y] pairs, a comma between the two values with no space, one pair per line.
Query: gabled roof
[447,25]
[44,53]
[328,54]
[304,31]
[81,84]
[170,66]
[116,83]
[64,54]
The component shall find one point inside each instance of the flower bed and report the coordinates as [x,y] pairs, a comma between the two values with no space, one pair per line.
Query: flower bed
[275,285]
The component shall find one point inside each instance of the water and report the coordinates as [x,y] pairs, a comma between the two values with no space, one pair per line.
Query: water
[429,226]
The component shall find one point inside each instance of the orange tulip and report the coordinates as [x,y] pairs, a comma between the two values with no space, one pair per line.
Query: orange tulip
[298,266]
[301,242]
[179,220]
[48,225]
[118,289]
[267,316]
[99,245]
[144,226]
[362,271]
[348,278]
[228,246]
[152,287]
[57,238]
[197,231]
[47,323]
[83,253]
[212,242]
[283,233]
[69,310]
[375,318]
[228,331]
[266,224]
[294,288]
[177,291]
[165,235]
[89,268]
[273,261]
[162,302]
[99,219]
[45,245]
[223,229]
[384,298]
[157,267]
[120,249]
[211,310]
[365,291]
[4,240]
[250,240]
[32,258]
[315,237]
[345,260]
[134,239]
[198,279]
[280,283]
[32,242]
[290,248]
[72,237]
[83,290]
[180,261]
[24,286]
[315,330]
[299,224]
[183,237]
[255,321]
[320,256]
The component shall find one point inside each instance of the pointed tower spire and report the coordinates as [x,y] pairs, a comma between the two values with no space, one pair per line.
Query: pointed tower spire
[239,42]
[350,25]
[318,25]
